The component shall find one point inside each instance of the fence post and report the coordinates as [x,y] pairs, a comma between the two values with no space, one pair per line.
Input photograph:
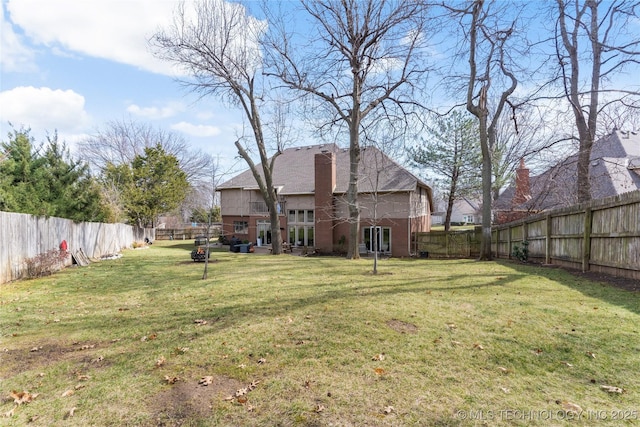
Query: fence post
[586,239]
[547,243]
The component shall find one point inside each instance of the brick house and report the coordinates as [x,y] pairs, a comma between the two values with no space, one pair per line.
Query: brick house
[614,169]
[311,185]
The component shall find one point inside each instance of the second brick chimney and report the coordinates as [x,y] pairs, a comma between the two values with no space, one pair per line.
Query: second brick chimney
[523,187]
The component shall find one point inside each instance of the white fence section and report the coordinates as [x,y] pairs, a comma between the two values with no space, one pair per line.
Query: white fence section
[25,236]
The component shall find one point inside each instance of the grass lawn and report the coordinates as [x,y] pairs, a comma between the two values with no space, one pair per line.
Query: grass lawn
[319,341]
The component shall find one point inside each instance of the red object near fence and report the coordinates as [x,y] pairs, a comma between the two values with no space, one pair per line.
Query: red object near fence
[63,246]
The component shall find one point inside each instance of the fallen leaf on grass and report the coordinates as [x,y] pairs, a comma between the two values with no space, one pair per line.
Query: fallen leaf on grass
[378,357]
[205,381]
[71,412]
[503,369]
[571,407]
[68,393]
[478,346]
[590,354]
[34,349]
[379,371]
[319,408]
[611,389]
[454,342]
[262,360]
[181,350]
[567,364]
[172,380]
[87,347]
[388,410]
[20,397]
[83,377]
[79,386]
[10,413]
[200,322]
[98,359]
[160,361]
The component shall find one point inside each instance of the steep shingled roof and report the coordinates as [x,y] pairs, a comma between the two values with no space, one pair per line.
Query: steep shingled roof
[294,172]
[612,172]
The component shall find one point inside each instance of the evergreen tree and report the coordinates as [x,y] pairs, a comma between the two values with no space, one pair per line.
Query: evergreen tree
[451,157]
[45,180]
[152,184]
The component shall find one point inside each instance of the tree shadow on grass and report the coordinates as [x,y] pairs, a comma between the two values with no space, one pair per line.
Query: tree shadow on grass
[617,291]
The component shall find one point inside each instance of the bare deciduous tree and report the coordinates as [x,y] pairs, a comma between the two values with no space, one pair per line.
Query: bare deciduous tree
[362,64]
[593,42]
[218,45]
[489,66]
[120,141]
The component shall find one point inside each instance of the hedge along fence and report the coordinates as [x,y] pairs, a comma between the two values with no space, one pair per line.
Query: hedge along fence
[24,237]
[601,236]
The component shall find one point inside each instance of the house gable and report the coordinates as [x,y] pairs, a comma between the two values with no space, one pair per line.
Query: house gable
[609,173]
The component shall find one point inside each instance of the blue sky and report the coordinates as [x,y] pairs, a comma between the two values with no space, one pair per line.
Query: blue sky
[73,66]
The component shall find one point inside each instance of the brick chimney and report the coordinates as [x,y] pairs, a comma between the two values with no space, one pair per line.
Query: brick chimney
[325,183]
[523,187]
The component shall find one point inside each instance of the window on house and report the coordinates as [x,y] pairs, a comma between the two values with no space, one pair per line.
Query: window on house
[240,227]
[300,235]
[301,216]
[301,227]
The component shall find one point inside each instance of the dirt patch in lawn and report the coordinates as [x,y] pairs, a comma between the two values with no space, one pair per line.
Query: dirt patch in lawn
[43,354]
[402,327]
[187,400]
[625,283]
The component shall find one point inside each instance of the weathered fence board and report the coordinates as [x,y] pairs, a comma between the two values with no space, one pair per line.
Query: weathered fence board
[25,236]
[601,236]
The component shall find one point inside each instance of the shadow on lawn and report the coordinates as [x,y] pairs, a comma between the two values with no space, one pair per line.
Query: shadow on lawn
[595,286]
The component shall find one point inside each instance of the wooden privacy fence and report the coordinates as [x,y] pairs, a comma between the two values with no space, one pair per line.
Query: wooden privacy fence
[188,233]
[601,236]
[23,237]
[449,244]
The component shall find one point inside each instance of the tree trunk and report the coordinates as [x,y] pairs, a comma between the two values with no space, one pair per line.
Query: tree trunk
[276,234]
[485,244]
[352,202]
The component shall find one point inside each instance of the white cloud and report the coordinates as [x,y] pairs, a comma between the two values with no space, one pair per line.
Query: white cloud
[196,130]
[15,56]
[156,113]
[115,30]
[44,109]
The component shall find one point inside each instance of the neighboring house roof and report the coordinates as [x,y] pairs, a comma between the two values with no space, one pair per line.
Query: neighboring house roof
[614,169]
[465,205]
[294,172]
